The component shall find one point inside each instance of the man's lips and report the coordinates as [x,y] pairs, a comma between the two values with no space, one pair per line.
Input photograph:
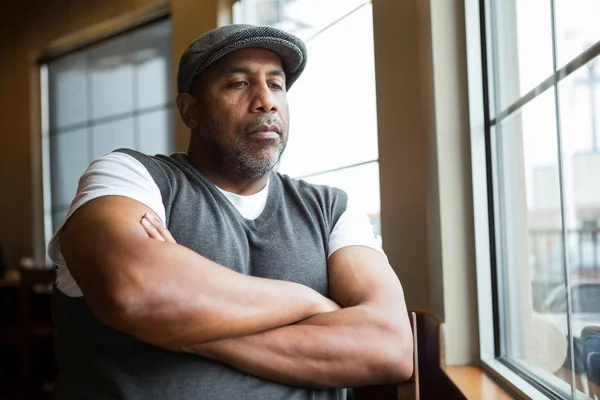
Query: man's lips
[266,132]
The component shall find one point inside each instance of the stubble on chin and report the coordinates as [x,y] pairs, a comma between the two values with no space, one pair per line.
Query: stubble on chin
[239,158]
[255,164]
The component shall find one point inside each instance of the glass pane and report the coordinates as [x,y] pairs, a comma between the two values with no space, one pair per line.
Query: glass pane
[577,27]
[531,266]
[152,58]
[362,186]
[580,111]
[111,136]
[68,160]
[295,16]
[320,125]
[524,49]
[68,91]
[155,132]
[111,72]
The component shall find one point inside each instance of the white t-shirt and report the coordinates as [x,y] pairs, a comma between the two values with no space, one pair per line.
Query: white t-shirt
[119,174]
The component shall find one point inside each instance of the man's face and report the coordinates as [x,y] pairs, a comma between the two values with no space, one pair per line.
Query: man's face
[242,112]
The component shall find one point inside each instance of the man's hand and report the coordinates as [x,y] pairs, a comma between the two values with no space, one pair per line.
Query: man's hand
[166,294]
[366,343]
[155,229]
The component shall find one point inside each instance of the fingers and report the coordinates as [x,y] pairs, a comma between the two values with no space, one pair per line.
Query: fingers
[151,229]
[165,233]
[156,230]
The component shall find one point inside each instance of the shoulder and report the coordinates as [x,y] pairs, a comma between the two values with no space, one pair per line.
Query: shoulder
[321,193]
[120,173]
[112,167]
[117,174]
[327,202]
[150,163]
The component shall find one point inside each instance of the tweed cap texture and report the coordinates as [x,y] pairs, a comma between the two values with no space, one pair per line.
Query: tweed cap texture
[210,47]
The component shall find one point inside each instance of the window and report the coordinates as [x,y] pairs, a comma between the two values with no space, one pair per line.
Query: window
[542,80]
[113,94]
[333,132]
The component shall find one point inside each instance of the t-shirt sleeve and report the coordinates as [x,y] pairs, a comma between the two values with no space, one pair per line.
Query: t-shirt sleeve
[115,174]
[353,228]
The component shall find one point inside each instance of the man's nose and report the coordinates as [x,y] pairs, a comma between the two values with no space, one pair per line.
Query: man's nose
[264,101]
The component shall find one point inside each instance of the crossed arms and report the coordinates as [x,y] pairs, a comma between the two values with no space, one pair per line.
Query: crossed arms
[172,297]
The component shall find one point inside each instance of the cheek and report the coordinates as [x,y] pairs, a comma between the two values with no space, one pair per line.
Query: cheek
[225,112]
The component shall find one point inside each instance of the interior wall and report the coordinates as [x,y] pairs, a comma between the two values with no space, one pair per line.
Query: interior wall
[424,154]
[455,187]
[26,28]
[190,19]
[403,146]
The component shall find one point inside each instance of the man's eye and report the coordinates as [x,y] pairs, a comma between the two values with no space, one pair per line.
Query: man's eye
[239,84]
[276,86]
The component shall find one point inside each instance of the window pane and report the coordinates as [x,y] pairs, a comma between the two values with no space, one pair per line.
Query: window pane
[152,57]
[334,114]
[102,88]
[524,49]
[580,111]
[68,90]
[362,186]
[68,160]
[577,27]
[111,136]
[155,132]
[303,18]
[531,266]
[111,70]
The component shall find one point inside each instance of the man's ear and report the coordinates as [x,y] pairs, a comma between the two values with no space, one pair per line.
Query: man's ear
[186,104]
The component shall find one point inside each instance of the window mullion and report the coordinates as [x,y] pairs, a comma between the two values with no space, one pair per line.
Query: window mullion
[561,182]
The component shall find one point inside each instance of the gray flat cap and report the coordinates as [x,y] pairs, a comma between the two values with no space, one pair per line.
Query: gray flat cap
[219,42]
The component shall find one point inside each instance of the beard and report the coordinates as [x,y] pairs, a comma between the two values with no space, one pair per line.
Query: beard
[240,156]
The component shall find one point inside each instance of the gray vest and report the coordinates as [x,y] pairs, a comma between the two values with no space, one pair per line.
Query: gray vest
[288,241]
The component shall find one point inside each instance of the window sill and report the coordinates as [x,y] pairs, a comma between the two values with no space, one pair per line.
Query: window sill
[475,384]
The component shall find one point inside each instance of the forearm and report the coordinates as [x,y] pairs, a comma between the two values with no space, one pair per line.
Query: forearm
[202,301]
[352,347]
[168,295]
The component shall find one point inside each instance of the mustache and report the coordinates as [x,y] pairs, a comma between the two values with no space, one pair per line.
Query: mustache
[262,120]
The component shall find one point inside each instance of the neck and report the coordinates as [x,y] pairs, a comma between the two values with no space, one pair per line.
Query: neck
[224,179]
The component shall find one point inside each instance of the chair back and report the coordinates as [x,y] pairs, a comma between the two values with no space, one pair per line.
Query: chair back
[415,377]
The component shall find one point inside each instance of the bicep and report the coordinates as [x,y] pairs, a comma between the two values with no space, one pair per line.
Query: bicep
[358,269]
[98,242]
[362,275]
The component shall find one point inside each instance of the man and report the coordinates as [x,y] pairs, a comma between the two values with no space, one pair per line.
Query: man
[207,275]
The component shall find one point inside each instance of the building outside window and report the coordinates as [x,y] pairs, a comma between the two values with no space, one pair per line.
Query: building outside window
[333,129]
[113,94]
[542,74]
